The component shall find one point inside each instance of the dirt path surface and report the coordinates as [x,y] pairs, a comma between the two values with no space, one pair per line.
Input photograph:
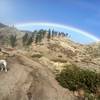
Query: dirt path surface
[28,80]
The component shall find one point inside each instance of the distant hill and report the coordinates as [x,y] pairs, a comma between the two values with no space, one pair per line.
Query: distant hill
[6,31]
[2,25]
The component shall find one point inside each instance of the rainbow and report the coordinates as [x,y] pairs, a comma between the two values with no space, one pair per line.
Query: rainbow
[66,27]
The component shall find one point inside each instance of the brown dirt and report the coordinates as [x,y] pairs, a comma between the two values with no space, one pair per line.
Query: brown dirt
[28,80]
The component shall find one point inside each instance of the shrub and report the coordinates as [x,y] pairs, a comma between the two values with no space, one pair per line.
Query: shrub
[74,78]
[30,40]
[13,40]
[25,38]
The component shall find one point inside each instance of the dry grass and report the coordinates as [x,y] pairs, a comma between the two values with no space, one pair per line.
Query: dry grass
[59,60]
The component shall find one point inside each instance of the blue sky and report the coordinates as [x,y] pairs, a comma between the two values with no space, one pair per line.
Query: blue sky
[82,14]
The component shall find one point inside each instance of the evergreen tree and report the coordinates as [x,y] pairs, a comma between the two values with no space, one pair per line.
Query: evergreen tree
[33,36]
[66,34]
[59,34]
[40,34]
[25,38]
[30,40]
[13,40]
[49,34]
[36,39]
[62,34]
[53,33]
[44,33]
[40,37]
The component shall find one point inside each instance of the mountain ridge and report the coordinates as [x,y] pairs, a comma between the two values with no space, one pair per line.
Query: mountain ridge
[2,25]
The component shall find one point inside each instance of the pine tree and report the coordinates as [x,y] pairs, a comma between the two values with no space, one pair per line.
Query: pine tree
[66,34]
[33,36]
[44,33]
[40,37]
[53,33]
[40,34]
[30,40]
[25,38]
[59,34]
[49,34]
[36,39]
[13,40]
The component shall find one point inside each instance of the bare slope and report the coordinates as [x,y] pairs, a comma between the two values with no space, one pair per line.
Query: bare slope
[29,79]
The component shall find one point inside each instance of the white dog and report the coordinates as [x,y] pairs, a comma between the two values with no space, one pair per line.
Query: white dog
[3,65]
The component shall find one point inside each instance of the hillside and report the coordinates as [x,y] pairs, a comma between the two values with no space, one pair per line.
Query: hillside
[26,76]
[32,69]
[2,25]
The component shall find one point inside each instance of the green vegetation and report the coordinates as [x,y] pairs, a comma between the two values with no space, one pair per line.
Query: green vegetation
[29,41]
[35,36]
[41,34]
[74,78]
[13,40]
[24,38]
[49,35]
[36,39]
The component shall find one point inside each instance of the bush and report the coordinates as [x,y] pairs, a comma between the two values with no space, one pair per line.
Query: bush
[75,78]
[13,40]
[29,41]
[25,38]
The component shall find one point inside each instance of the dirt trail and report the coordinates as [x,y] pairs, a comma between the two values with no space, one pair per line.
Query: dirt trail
[28,80]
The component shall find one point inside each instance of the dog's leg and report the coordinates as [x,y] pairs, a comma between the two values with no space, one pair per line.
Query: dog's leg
[6,70]
[5,66]
[1,66]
